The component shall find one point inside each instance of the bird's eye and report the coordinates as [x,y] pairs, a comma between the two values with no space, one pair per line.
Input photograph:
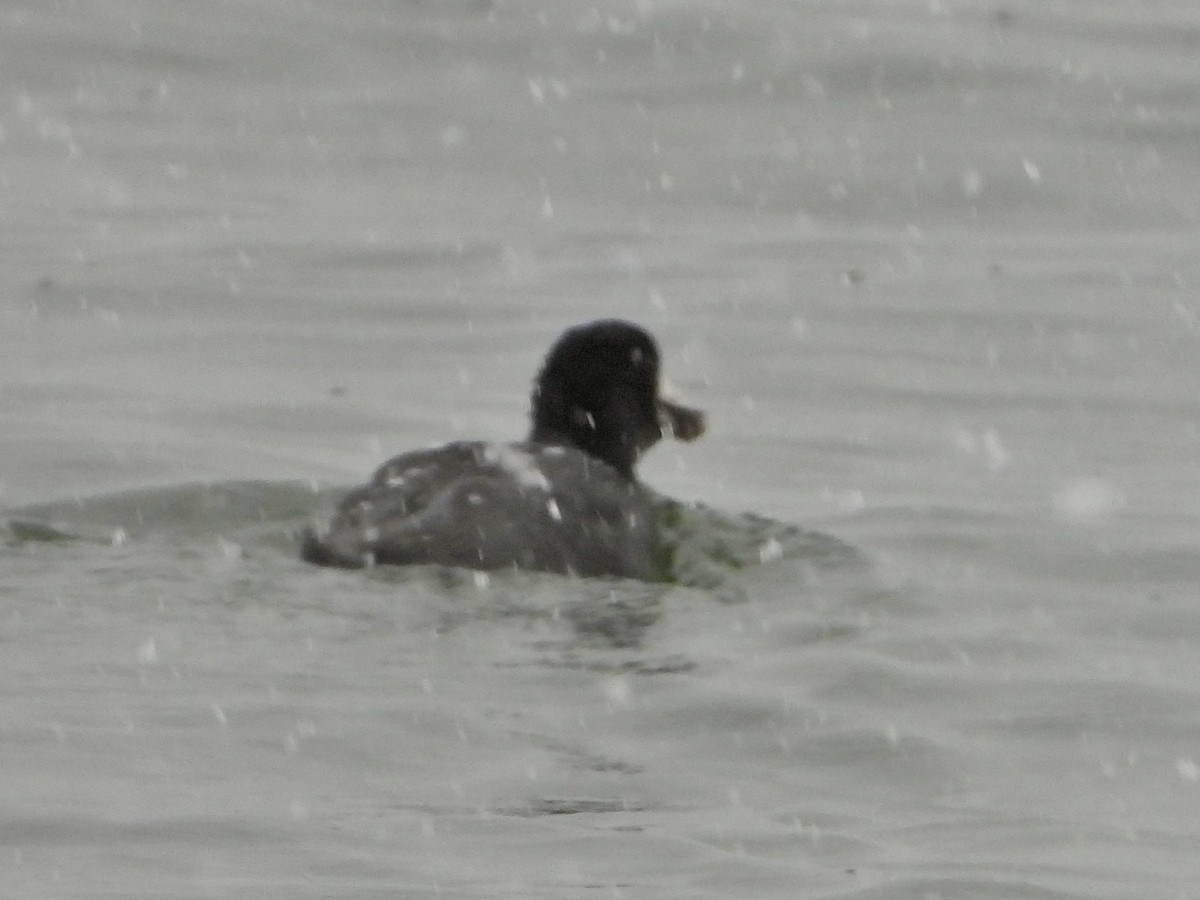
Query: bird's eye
[636,356]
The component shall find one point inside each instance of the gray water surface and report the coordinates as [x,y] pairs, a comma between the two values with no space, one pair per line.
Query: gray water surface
[931,269]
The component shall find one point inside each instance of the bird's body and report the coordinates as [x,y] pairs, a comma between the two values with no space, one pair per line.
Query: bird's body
[565,500]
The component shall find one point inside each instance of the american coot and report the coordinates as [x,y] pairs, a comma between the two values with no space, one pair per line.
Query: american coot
[564,500]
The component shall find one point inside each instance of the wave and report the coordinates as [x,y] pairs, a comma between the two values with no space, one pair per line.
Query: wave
[707,547]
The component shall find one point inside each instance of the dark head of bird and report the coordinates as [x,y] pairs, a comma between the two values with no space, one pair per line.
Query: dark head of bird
[598,390]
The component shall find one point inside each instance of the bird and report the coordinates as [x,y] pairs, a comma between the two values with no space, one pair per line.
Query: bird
[565,500]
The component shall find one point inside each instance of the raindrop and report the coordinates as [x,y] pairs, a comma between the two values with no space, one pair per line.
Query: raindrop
[993,448]
[972,182]
[617,691]
[770,551]
[147,652]
[1088,500]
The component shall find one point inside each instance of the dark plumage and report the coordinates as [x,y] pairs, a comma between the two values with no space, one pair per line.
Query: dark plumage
[564,500]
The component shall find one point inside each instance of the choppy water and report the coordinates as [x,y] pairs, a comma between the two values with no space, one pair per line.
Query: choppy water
[931,268]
